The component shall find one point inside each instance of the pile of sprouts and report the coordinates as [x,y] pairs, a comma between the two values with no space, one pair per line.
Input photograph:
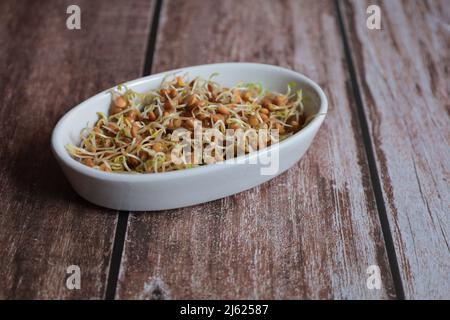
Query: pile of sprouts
[137,135]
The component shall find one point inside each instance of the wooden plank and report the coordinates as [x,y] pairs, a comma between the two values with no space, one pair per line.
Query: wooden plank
[310,233]
[403,72]
[47,69]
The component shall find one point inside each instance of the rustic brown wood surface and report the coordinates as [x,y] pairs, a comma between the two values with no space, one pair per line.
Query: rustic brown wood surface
[45,70]
[403,75]
[372,190]
[310,233]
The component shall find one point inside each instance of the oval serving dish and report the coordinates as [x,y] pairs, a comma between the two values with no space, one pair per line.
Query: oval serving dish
[175,189]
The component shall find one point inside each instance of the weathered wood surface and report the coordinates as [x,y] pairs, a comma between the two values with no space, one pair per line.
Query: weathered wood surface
[403,73]
[310,233]
[47,69]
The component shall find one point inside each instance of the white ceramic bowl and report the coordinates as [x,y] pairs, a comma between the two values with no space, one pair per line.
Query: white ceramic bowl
[159,191]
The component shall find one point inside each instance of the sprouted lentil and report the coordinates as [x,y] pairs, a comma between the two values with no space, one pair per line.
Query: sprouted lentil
[136,134]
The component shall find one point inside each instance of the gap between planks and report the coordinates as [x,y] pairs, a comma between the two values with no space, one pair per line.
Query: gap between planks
[373,171]
[122,220]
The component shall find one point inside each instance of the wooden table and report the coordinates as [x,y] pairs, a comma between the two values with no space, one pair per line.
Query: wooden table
[373,189]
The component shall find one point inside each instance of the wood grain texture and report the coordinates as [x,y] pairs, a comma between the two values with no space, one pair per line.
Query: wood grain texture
[310,233]
[403,73]
[47,69]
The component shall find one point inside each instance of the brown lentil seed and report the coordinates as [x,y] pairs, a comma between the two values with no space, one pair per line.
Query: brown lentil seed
[280,128]
[132,115]
[151,116]
[235,126]
[217,117]
[180,82]
[88,161]
[246,96]
[105,168]
[265,102]
[253,121]
[134,129]
[114,110]
[133,162]
[264,111]
[189,124]
[173,93]
[177,123]
[168,105]
[120,102]
[280,100]
[143,155]
[264,117]
[158,147]
[223,110]
[191,101]
[164,92]
[108,143]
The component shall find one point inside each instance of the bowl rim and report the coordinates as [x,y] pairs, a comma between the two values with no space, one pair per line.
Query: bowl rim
[63,156]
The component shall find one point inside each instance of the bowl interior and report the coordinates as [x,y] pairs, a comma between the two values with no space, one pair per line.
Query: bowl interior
[273,78]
